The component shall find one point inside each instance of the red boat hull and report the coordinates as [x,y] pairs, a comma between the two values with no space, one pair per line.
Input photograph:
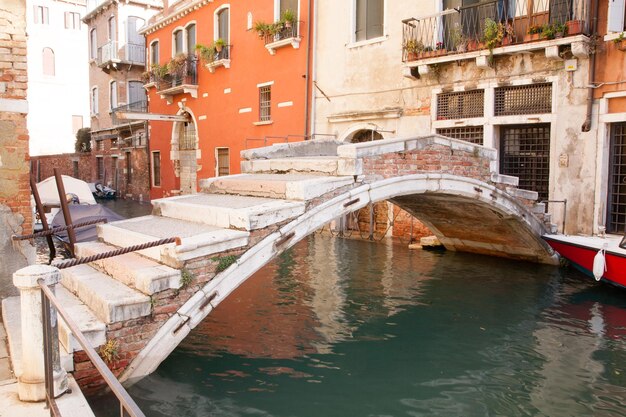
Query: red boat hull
[583,257]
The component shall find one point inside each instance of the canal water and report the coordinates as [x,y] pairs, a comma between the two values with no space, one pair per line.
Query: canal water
[338,327]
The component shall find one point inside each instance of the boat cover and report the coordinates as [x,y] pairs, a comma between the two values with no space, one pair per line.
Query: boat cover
[83,213]
[50,196]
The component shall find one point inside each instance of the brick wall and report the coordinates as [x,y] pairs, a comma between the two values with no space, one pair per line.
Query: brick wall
[43,166]
[15,212]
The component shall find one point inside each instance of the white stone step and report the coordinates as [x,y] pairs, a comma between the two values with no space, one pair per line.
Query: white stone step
[110,300]
[229,211]
[131,269]
[299,187]
[197,239]
[11,316]
[93,329]
[319,165]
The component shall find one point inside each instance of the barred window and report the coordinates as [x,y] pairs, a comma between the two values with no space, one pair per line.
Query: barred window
[265,103]
[523,99]
[471,134]
[156,169]
[461,105]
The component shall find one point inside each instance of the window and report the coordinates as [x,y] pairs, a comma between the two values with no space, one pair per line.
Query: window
[136,43]
[136,95]
[112,95]
[222,25]
[41,15]
[156,169]
[100,168]
[75,169]
[222,159]
[99,145]
[93,44]
[190,32]
[72,20]
[48,61]
[265,102]
[154,52]
[114,143]
[94,101]
[523,99]
[129,170]
[288,5]
[616,205]
[77,123]
[369,19]
[616,21]
[471,134]
[461,104]
[112,31]
[178,42]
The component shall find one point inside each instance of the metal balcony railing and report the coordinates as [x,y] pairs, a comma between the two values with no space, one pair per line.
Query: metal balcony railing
[286,31]
[187,74]
[136,107]
[131,53]
[461,30]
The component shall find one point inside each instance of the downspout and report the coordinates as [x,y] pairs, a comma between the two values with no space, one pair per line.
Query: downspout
[313,36]
[586,127]
[307,78]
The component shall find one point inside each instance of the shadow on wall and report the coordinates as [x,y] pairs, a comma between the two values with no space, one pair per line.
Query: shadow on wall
[13,255]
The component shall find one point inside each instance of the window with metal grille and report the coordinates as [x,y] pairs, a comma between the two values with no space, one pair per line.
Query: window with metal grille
[265,103]
[523,99]
[156,169]
[100,165]
[525,153]
[616,207]
[461,105]
[187,141]
[471,134]
[222,156]
[129,169]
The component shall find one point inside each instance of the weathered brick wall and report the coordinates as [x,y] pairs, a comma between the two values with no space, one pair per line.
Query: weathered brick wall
[15,212]
[44,165]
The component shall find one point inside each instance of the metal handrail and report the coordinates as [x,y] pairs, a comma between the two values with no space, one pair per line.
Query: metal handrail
[57,229]
[127,404]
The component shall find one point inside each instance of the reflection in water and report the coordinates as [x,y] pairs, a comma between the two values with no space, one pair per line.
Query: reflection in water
[341,328]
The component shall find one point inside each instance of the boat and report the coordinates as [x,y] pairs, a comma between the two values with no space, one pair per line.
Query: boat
[102,191]
[600,257]
[83,213]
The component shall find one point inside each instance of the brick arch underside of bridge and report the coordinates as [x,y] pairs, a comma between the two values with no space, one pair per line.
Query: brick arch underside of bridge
[466,215]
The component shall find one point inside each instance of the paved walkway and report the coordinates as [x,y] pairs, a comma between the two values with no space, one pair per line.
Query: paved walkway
[70,405]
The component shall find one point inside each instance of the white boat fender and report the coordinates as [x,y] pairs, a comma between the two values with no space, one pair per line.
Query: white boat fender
[599,264]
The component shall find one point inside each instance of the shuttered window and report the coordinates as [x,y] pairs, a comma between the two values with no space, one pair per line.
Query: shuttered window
[369,19]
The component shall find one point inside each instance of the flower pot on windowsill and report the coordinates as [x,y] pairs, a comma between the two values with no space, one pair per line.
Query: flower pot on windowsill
[574,27]
[531,37]
[411,56]
[474,45]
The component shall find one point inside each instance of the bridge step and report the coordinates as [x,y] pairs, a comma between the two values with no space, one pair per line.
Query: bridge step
[11,316]
[319,165]
[197,239]
[229,211]
[93,329]
[136,271]
[110,300]
[299,187]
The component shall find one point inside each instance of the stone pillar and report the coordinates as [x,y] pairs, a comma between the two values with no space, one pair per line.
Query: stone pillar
[31,382]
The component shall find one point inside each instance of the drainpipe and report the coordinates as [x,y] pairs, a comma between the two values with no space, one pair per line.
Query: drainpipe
[313,36]
[586,127]
[308,71]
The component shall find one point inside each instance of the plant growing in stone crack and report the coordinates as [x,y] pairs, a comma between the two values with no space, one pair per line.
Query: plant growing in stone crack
[224,262]
[186,278]
[109,352]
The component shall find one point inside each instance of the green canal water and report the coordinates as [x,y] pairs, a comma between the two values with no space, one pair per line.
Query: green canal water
[338,327]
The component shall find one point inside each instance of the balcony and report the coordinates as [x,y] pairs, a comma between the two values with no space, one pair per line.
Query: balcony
[218,59]
[123,114]
[112,53]
[284,35]
[180,80]
[496,27]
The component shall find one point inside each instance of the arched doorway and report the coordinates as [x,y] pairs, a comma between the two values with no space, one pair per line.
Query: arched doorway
[186,137]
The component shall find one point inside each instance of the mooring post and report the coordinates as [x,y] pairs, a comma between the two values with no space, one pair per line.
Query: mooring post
[31,380]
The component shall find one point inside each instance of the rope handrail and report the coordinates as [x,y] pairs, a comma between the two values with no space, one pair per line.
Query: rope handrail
[58,229]
[121,251]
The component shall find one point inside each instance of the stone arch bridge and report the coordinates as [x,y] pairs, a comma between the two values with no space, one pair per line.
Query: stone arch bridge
[237,224]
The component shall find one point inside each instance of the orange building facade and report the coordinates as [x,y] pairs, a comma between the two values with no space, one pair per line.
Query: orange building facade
[232,77]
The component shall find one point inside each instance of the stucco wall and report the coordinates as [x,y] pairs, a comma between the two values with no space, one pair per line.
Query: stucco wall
[15,211]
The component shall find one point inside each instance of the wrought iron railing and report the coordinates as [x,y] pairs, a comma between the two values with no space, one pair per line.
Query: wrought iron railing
[136,107]
[282,32]
[132,53]
[463,29]
[187,74]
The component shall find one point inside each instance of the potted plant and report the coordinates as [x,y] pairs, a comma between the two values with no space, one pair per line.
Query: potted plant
[492,35]
[413,48]
[207,53]
[262,29]
[288,18]
[509,33]
[177,65]
[439,47]
[560,30]
[575,27]
[158,71]
[548,31]
[219,45]
[533,33]
[458,40]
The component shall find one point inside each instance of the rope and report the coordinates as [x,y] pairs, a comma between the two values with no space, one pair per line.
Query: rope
[58,229]
[121,251]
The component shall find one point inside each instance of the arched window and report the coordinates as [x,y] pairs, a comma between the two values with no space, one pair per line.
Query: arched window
[154,52]
[177,40]
[190,32]
[48,61]
[93,44]
[366,135]
[112,29]
[222,25]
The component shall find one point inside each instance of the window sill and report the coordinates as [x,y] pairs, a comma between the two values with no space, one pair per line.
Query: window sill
[218,63]
[612,36]
[366,42]
[267,122]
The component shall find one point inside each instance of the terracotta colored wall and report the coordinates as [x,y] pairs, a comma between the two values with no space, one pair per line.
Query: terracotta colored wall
[251,64]
[610,61]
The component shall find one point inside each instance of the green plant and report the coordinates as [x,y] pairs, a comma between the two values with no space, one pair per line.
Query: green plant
[159,71]
[413,46]
[288,17]
[548,31]
[207,54]
[219,44]
[458,39]
[186,278]
[224,262]
[560,29]
[109,352]
[261,28]
[533,29]
[176,64]
[619,39]
[493,34]
[83,140]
